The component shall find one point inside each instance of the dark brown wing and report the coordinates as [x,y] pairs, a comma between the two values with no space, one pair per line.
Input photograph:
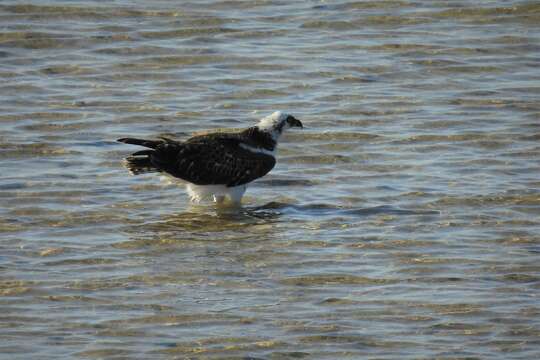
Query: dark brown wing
[211,160]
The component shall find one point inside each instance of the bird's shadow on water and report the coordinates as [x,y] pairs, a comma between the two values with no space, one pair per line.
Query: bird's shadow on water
[273,210]
[212,219]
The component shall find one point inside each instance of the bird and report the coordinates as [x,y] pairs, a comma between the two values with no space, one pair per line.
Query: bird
[216,166]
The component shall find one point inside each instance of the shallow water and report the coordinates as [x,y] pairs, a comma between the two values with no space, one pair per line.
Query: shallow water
[403,220]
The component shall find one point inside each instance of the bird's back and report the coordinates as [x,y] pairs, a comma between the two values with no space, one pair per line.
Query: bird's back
[210,159]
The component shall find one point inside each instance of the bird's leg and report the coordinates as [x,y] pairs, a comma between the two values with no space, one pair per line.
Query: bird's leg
[219,199]
[236,195]
[194,196]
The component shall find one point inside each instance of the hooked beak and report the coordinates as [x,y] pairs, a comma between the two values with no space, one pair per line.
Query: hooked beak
[294,122]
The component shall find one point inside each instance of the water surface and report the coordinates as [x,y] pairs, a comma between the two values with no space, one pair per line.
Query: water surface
[402,222]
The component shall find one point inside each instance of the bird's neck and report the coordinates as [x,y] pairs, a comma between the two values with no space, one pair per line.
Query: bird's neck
[262,138]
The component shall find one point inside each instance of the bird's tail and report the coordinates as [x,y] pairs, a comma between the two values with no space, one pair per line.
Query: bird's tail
[152,144]
[140,162]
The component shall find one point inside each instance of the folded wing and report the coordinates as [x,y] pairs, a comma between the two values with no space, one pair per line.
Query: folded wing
[205,160]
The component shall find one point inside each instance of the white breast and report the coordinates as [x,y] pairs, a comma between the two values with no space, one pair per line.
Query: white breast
[215,192]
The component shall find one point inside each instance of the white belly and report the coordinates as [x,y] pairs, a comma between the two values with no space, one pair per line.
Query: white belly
[216,193]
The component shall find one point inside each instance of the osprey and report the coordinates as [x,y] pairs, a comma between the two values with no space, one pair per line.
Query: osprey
[215,165]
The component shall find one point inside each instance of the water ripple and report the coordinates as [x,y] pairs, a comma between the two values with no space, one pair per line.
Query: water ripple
[401,222]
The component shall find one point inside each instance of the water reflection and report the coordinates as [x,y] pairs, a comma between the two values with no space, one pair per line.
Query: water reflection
[314,210]
[214,219]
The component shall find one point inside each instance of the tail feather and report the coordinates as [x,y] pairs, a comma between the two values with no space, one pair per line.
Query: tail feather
[143,152]
[140,165]
[140,162]
[152,144]
[162,154]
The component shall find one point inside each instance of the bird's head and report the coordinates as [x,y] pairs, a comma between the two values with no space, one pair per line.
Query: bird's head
[277,123]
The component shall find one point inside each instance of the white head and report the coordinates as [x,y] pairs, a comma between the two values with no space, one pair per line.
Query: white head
[278,122]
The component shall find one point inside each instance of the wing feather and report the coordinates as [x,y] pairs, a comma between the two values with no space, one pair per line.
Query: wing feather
[212,159]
